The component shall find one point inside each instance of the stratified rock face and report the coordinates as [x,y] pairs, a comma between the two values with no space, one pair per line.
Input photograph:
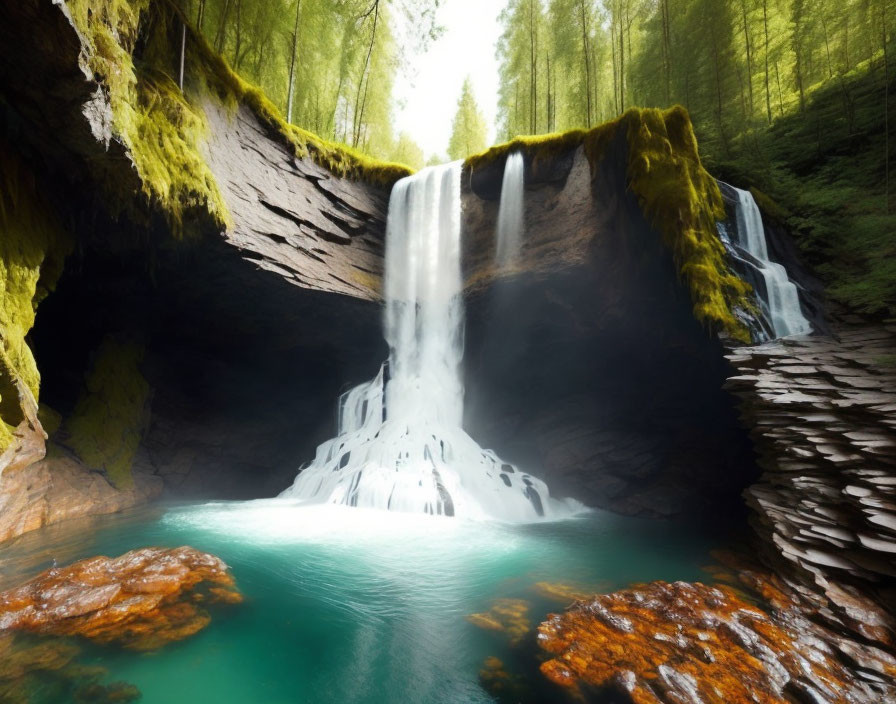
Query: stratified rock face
[823,414]
[293,217]
[689,643]
[141,600]
[584,364]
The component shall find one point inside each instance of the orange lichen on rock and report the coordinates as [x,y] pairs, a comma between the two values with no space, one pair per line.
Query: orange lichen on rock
[510,616]
[141,600]
[689,642]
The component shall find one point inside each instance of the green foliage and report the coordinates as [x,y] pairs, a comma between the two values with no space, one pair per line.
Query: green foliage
[826,174]
[339,57]
[160,127]
[105,428]
[789,96]
[675,192]
[32,250]
[134,51]
[469,134]
[407,151]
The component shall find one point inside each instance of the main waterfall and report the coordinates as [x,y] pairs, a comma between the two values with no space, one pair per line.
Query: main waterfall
[400,445]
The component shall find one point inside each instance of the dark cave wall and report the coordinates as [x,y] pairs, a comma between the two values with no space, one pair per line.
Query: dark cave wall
[596,376]
[244,368]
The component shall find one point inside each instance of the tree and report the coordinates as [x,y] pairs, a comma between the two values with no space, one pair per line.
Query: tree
[468,132]
[407,151]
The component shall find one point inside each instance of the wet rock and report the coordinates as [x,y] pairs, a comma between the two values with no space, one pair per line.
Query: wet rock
[825,505]
[755,639]
[141,600]
[59,488]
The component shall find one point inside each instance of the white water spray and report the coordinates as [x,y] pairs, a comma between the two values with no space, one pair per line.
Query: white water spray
[400,445]
[510,212]
[782,303]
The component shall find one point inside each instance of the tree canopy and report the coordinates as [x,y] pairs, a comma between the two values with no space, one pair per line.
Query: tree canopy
[330,65]
[469,133]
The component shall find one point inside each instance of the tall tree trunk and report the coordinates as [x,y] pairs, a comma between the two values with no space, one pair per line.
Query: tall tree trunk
[200,15]
[718,77]
[748,44]
[365,79]
[827,45]
[586,52]
[883,22]
[667,50]
[222,28]
[780,93]
[621,61]
[615,67]
[292,62]
[798,70]
[768,92]
[533,72]
[239,33]
[183,51]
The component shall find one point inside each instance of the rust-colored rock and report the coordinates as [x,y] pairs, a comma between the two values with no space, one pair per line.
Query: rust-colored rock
[141,600]
[678,643]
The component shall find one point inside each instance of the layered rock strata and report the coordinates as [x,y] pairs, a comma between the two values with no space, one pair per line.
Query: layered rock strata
[822,413]
[757,638]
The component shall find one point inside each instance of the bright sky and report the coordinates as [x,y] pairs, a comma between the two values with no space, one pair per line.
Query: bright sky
[427,100]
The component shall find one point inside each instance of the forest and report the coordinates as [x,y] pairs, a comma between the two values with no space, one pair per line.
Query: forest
[791,97]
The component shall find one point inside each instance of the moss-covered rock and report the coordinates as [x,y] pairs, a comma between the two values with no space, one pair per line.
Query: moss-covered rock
[134,50]
[675,192]
[107,424]
[32,249]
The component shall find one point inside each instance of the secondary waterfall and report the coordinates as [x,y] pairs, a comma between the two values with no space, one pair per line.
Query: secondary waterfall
[781,302]
[400,445]
[510,212]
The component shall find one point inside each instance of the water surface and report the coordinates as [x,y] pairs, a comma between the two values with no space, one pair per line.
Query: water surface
[353,605]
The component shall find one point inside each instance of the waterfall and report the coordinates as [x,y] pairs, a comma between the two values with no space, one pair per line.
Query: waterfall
[781,301]
[510,212]
[400,445]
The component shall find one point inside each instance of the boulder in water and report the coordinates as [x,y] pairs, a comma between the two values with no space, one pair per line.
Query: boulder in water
[141,600]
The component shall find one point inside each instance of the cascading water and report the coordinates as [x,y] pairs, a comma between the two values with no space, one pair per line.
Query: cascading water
[781,302]
[400,445]
[510,212]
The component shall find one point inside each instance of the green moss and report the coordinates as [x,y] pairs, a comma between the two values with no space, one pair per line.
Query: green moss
[134,51]
[676,194]
[162,129]
[339,159]
[32,250]
[50,419]
[107,424]
[540,147]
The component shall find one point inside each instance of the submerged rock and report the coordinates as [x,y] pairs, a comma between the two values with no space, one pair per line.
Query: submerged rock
[141,600]
[758,641]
